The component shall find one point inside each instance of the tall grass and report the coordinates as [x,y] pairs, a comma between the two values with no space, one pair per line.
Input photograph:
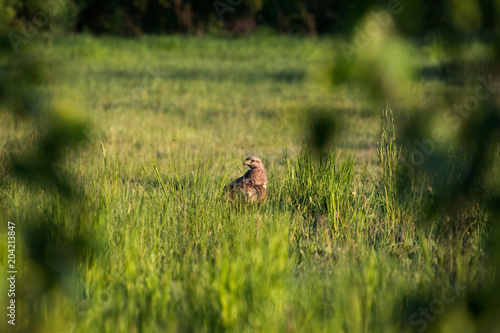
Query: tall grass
[321,254]
[330,250]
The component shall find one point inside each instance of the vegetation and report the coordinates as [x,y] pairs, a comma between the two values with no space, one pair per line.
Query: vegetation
[127,230]
[138,17]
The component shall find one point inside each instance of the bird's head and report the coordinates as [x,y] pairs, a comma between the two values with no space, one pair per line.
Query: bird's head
[253,162]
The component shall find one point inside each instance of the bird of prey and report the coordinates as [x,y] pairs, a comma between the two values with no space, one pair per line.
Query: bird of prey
[252,187]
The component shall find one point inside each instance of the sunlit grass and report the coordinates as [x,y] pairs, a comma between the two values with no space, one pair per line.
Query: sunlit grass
[333,249]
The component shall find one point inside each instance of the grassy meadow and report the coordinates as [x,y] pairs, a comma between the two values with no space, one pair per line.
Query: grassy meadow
[168,122]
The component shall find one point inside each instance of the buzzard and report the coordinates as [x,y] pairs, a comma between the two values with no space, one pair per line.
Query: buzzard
[251,187]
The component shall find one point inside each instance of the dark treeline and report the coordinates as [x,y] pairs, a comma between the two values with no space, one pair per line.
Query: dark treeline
[136,17]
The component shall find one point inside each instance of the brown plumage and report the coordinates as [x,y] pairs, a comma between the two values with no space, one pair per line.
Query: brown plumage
[252,187]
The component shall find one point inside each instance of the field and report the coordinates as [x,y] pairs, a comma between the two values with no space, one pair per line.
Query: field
[147,242]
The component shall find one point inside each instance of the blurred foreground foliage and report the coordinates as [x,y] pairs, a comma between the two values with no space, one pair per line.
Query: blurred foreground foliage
[53,243]
[448,136]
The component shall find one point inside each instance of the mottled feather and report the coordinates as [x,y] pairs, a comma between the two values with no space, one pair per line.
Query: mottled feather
[252,187]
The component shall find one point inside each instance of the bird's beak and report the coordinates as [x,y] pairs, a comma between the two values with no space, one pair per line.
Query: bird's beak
[247,162]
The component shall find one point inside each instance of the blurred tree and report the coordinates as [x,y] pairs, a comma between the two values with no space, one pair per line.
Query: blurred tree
[453,19]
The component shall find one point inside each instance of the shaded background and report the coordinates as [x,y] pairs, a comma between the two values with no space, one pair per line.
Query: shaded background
[133,18]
